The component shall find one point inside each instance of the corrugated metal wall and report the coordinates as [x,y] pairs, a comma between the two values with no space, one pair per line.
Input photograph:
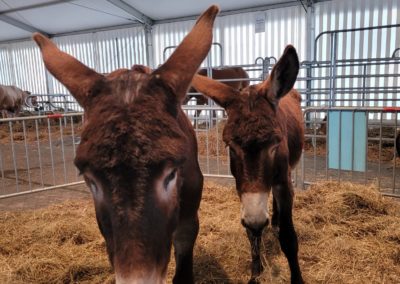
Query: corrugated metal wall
[236,33]
[21,64]
[334,15]
[167,36]
[378,43]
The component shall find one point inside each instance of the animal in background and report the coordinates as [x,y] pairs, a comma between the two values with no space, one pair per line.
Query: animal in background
[12,100]
[225,73]
[220,74]
[138,156]
[265,136]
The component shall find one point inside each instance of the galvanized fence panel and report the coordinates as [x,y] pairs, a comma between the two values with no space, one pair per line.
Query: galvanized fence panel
[36,153]
[52,103]
[373,82]
[382,165]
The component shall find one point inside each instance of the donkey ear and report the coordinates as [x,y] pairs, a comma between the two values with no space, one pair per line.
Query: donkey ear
[77,77]
[179,69]
[283,76]
[220,93]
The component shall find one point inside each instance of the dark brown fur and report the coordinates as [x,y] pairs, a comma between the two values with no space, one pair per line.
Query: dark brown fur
[265,136]
[138,155]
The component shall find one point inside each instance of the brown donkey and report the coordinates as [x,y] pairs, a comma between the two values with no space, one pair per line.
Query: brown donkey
[265,136]
[138,155]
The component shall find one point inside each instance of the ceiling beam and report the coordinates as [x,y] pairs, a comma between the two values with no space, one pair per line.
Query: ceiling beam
[34,6]
[145,20]
[78,32]
[21,25]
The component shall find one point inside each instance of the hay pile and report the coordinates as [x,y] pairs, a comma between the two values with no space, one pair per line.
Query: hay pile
[60,244]
[210,141]
[347,234]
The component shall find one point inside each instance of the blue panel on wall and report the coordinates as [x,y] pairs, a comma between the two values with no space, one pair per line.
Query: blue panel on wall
[346,144]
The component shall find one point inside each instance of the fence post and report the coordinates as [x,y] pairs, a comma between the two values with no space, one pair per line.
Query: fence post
[332,73]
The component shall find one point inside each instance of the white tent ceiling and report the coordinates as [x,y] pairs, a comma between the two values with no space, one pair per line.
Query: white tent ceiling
[20,18]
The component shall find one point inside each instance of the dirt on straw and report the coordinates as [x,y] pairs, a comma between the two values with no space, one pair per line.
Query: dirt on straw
[347,234]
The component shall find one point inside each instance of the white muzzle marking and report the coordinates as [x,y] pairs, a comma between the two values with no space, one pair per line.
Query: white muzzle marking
[254,209]
[152,278]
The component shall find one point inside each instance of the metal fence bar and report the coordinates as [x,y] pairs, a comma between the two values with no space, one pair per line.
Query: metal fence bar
[51,151]
[62,149]
[41,189]
[380,153]
[366,151]
[352,145]
[2,167]
[27,156]
[394,154]
[39,152]
[340,144]
[335,32]
[73,143]
[14,155]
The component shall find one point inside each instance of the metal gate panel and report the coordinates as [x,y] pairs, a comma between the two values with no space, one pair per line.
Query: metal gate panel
[334,15]
[381,168]
[36,153]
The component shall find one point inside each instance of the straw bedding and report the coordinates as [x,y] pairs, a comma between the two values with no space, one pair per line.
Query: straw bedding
[347,234]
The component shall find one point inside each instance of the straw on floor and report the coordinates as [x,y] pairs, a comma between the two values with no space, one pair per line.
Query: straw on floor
[347,234]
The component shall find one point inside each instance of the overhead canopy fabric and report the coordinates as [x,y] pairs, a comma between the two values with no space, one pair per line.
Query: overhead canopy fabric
[20,18]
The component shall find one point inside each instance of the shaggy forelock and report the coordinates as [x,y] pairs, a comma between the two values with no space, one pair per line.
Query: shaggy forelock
[129,138]
[252,120]
[124,134]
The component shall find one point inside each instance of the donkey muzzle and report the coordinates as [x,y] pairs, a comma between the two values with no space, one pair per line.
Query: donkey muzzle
[254,211]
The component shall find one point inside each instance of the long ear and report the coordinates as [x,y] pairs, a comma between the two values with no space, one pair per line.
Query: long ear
[220,93]
[77,77]
[283,76]
[179,69]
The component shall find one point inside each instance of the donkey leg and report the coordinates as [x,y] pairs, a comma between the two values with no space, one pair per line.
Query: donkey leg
[256,265]
[184,239]
[275,218]
[283,193]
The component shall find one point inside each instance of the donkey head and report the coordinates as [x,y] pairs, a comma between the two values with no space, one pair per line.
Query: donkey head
[132,151]
[255,134]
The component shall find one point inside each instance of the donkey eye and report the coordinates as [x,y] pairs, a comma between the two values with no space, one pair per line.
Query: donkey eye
[169,178]
[272,150]
[93,187]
